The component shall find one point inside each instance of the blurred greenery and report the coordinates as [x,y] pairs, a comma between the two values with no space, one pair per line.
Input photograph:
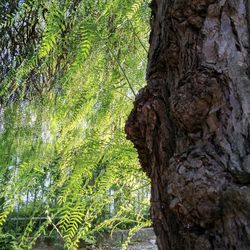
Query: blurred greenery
[69,73]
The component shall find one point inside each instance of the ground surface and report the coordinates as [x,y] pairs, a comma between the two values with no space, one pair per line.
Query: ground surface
[139,246]
[143,240]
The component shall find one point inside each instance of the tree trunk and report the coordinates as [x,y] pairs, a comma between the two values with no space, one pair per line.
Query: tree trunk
[191,124]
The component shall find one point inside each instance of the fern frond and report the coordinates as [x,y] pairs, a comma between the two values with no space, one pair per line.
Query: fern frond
[134,8]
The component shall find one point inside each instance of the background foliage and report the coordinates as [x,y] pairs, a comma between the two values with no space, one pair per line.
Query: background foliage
[68,75]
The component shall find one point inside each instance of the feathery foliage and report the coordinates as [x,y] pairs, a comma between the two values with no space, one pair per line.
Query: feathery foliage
[68,75]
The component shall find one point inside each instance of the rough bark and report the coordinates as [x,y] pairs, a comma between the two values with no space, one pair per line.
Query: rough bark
[191,124]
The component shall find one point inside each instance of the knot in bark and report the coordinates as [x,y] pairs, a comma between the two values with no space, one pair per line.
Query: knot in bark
[195,185]
[198,93]
[148,124]
[193,12]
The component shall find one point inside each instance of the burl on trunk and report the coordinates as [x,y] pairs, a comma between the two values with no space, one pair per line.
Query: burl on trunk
[191,124]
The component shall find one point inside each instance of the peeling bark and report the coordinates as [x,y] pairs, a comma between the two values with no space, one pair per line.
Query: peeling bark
[191,124]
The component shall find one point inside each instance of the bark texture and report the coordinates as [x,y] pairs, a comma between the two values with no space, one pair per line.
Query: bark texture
[191,124]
